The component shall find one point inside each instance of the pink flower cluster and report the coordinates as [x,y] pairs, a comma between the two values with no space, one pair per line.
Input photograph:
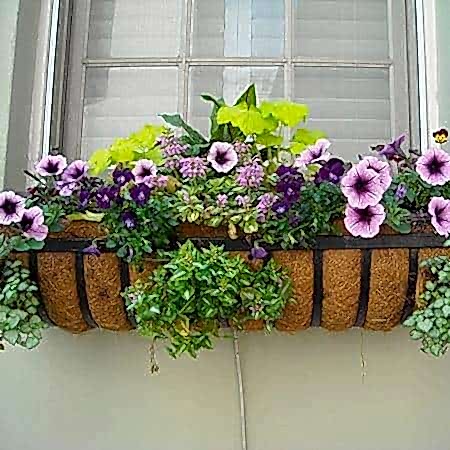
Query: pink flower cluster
[364,186]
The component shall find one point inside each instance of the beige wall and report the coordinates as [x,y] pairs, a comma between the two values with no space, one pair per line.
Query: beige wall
[91,392]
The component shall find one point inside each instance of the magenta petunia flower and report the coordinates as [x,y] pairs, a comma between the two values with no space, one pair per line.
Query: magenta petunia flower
[75,171]
[144,171]
[32,224]
[51,166]
[364,222]
[434,167]
[362,187]
[393,151]
[12,207]
[222,156]
[317,152]
[382,168]
[439,210]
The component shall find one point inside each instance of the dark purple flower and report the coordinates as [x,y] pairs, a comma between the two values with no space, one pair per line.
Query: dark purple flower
[66,188]
[281,207]
[222,156]
[434,167]
[362,187]
[75,171]
[92,250]
[286,170]
[332,171]
[439,210]
[294,221]
[12,207]
[401,191]
[32,224]
[122,176]
[364,222]
[140,194]
[258,253]
[84,198]
[144,171]
[393,151]
[50,166]
[106,196]
[129,219]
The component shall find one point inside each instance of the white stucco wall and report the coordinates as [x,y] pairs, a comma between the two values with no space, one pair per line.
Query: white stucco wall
[92,392]
[8,23]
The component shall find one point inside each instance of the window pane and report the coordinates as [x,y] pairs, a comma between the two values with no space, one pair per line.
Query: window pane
[342,29]
[443,58]
[229,82]
[351,106]
[133,28]
[238,28]
[119,101]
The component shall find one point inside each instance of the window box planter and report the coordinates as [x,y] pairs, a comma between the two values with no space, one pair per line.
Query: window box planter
[343,282]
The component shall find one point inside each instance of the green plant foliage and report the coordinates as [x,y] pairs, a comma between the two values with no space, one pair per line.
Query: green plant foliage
[397,217]
[185,300]
[288,113]
[304,138]
[195,137]
[139,145]
[20,323]
[431,322]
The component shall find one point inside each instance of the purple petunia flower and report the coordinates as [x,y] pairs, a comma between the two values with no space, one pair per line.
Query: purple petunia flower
[144,171]
[222,156]
[140,194]
[106,196]
[84,198]
[393,151]
[364,222]
[221,200]
[129,219]
[281,207]
[439,210]
[192,167]
[51,166]
[243,200]
[250,175]
[382,168]
[66,188]
[32,224]
[258,253]
[75,171]
[122,176]
[434,167]
[401,191]
[315,153]
[92,250]
[286,170]
[12,207]
[331,172]
[362,187]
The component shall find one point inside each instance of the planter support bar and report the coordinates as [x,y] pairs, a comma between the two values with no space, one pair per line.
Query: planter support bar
[316,318]
[408,307]
[124,283]
[366,262]
[81,289]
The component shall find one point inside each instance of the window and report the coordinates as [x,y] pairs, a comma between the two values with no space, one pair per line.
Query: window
[133,59]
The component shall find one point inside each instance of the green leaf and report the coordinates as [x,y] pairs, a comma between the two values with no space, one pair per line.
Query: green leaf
[308,137]
[19,244]
[99,161]
[35,245]
[248,97]
[297,147]
[88,215]
[269,140]
[31,342]
[11,336]
[425,326]
[288,113]
[177,121]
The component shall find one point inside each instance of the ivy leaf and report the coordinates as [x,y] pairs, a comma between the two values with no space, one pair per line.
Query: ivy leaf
[99,161]
[19,244]
[288,113]
[177,121]
[308,137]
[11,336]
